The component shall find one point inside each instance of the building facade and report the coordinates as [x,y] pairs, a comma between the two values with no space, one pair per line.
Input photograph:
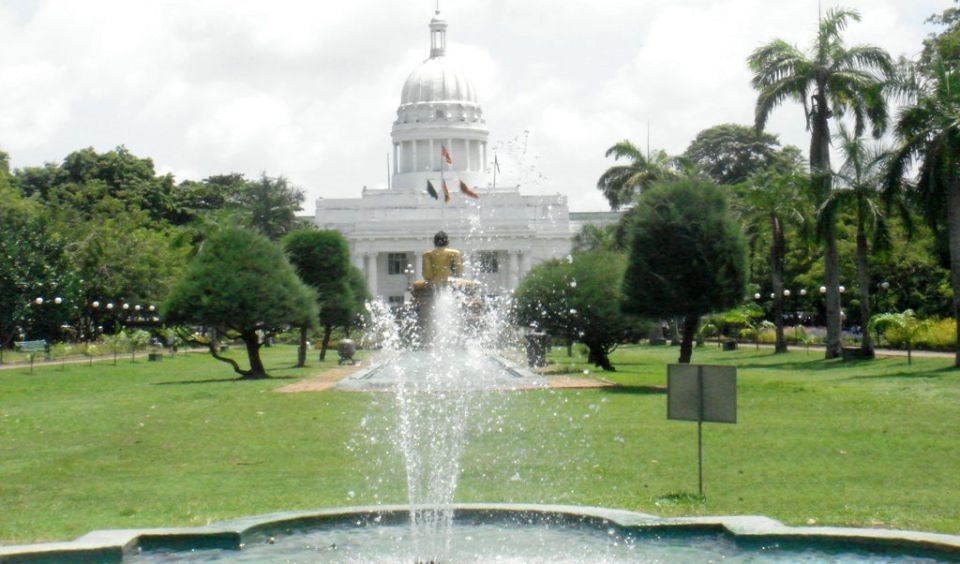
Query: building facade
[440,181]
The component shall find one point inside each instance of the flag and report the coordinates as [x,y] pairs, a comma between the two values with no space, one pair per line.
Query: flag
[446,193]
[496,163]
[432,191]
[446,155]
[466,190]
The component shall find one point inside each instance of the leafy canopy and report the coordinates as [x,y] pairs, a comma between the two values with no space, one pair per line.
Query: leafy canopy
[242,282]
[688,255]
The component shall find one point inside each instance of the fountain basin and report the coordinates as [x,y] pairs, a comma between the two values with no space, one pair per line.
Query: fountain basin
[570,533]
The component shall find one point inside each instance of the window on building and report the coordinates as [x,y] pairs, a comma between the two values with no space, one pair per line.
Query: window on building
[395,302]
[396,263]
[488,261]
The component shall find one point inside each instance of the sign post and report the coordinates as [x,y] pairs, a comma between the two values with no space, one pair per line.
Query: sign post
[697,392]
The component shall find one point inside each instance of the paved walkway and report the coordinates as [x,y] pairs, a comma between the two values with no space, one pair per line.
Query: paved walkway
[879,352]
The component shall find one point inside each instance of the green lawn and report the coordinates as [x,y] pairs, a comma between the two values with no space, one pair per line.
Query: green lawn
[180,443]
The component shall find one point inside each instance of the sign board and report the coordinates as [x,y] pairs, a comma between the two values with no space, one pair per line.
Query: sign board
[697,392]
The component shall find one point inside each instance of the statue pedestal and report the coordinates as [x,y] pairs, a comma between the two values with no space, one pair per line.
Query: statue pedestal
[469,301]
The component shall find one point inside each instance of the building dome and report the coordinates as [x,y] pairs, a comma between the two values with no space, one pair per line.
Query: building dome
[439,132]
[437,80]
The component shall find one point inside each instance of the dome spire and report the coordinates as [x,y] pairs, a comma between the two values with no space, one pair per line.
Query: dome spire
[438,35]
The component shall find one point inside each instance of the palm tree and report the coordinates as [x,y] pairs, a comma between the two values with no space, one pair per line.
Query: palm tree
[621,183]
[771,199]
[929,132]
[593,238]
[829,81]
[860,177]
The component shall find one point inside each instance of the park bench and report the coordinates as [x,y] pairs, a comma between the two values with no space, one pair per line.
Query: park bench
[32,348]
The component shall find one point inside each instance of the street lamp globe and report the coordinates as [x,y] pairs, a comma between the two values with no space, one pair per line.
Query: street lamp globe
[38,301]
[823,289]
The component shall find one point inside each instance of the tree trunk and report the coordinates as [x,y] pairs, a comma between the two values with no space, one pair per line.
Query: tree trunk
[777,246]
[598,357]
[302,349]
[820,176]
[953,226]
[327,331]
[252,342]
[863,275]
[690,324]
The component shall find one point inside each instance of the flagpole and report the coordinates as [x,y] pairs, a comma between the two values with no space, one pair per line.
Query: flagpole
[495,167]
[443,187]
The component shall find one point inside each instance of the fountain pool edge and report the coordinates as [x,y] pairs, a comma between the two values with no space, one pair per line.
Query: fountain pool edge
[111,545]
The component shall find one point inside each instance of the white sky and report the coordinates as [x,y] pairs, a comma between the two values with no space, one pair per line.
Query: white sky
[310,90]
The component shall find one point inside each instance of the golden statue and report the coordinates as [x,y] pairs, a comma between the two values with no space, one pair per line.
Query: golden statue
[442,269]
[441,264]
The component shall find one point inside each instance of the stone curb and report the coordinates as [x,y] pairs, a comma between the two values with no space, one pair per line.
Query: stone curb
[111,545]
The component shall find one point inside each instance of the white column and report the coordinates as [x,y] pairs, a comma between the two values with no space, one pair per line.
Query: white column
[522,266]
[433,156]
[396,158]
[418,265]
[514,269]
[372,273]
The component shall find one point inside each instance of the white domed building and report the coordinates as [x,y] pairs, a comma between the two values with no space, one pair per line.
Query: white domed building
[440,139]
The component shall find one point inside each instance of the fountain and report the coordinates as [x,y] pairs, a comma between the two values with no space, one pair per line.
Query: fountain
[439,368]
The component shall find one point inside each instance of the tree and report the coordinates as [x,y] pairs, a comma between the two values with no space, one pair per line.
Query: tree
[35,266]
[768,202]
[907,325]
[270,206]
[5,177]
[579,300]
[688,256]
[729,153]
[829,81]
[596,238]
[322,260]
[240,284]
[86,178]
[929,132]
[621,183]
[860,176]
[543,300]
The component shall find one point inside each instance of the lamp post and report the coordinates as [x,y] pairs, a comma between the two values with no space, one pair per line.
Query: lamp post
[802,303]
[883,287]
[94,319]
[843,314]
[50,330]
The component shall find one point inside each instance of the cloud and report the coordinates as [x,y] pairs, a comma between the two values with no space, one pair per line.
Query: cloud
[310,90]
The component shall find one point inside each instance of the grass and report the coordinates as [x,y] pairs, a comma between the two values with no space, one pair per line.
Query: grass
[180,442]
